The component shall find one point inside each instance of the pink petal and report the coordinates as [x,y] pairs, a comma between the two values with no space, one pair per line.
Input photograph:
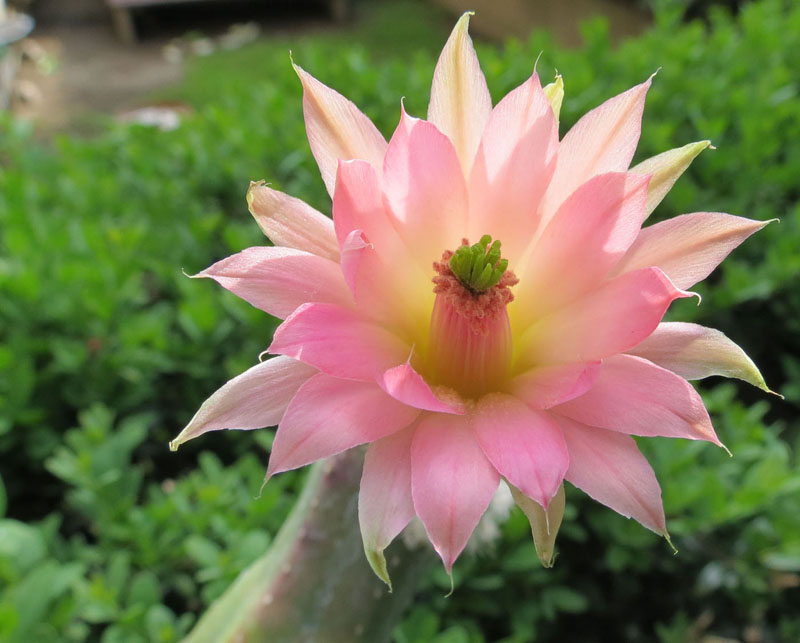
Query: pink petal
[695,352]
[525,446]
[608,321]
[603,140]
[425,190]
[374,256]
[688,247]
[255,399]
[546,386]
[385,505]
[339,342]
[632,395]
[452,482]
[329,415]
[292,223]
[337,129]
[609,467]
[515,161]
[598,223]
[278,280]
[460,101]
[403,383]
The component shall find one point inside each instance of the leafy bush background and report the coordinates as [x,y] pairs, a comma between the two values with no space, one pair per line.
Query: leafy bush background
[106,349]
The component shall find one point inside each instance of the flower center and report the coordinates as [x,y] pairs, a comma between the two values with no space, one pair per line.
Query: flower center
[470,347]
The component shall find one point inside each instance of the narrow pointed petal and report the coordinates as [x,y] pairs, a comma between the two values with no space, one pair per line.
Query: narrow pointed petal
[452,482]
[632,395]
[544,524]
[665,169]
[694,352]
[339,342]
[609,467]
[597,223]
[329,415]
[337,129]
[555,94]
[603,140]
[278,280]
[255,399]
[460,102]
[425,189]
[688,247]
[512,169]
[546,386]
[610,320]
[525,446]
[385,505]
[292,223]
[404,384]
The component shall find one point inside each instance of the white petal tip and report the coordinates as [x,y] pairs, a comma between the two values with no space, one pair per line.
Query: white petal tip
[174,444]
[377,561]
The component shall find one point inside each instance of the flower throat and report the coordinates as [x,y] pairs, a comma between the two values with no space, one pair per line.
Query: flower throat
[470,336]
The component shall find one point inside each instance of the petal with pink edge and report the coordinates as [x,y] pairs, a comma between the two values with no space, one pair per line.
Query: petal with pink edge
[329,415]
[452,482]
[694,352]
[688,247]
[460,102]
[292,223]
[337,129]
[404,384]
[547,386]
[610,320]
[603,140]
[278,280]
[385,505]
[632,395]
[255,399]
[525,446]
[515,161]
[597,223]
[425,190]
[339,342]
[609,467]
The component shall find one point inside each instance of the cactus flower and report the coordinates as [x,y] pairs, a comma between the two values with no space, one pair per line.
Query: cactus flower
[484,305]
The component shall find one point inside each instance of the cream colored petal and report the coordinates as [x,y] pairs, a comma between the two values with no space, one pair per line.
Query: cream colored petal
[666,168]
[460,102]
[544,524]
[555,94]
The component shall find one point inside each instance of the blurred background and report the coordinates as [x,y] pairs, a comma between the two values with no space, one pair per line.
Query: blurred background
[129,132]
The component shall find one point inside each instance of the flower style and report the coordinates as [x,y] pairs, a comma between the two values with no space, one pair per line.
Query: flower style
[485,304]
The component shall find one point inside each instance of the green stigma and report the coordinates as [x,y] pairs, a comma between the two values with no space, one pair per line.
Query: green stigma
[479,267]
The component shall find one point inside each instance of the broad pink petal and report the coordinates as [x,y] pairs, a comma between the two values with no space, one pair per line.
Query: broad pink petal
[339,342]
[546,386]
[460,102]
[425,189]
[603,140]
[525,446]
[337,129]
[596,225]
[292,223]
[403,383]
[329,415]
[255,399]
[688,247]
[385,505]
[515,161]
[695,352]
[372,262]
[608,321]
[278,280]
[452,482]
[609,467]
[632,395]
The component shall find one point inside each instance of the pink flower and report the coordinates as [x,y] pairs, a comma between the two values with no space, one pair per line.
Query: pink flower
[531,355]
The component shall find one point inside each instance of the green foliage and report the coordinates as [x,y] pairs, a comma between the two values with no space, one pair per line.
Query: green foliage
[106,349]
